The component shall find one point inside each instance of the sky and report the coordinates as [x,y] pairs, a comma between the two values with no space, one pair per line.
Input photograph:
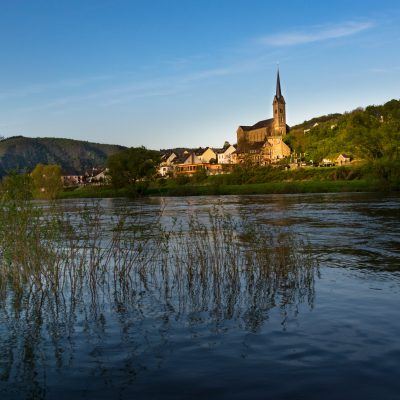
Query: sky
[187,73]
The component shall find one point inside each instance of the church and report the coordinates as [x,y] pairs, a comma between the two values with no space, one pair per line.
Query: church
[262,143]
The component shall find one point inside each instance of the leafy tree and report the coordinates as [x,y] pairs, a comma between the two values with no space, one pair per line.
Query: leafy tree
[132,165]
[17,187]
[47,183]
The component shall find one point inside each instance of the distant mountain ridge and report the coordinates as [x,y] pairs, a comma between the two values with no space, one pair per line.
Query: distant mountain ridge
[74,156]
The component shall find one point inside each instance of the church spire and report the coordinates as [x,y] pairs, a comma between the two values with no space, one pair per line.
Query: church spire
[278,86]
[279,109]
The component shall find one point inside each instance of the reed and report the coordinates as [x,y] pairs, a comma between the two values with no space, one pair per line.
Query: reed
[54,251]
[61,264]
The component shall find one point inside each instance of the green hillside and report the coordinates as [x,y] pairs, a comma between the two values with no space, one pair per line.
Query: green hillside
[371,133]
[74,156]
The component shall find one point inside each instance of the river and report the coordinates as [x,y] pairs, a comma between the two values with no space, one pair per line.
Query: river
[202,330]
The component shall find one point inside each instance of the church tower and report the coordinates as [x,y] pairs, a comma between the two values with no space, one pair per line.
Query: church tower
[279,110]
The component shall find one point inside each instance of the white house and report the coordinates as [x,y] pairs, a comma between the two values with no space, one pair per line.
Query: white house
[227,155]
[166,165]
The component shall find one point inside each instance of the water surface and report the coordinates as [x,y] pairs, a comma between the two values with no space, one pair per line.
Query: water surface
[332,333]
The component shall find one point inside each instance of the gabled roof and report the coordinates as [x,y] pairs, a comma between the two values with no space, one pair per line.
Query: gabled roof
[253,146]
[261,124]
[192,159]
[180,159]
[222,150]
[167,155]
[200,151]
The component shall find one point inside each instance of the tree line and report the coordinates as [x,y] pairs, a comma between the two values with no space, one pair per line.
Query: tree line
[369,134]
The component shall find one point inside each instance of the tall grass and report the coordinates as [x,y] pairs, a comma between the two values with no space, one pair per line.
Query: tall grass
[48,250]
[61,264]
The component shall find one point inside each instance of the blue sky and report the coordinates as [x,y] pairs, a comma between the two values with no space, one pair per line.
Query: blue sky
[187,73]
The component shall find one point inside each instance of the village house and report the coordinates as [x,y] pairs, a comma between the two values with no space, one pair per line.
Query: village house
[326,162]
[193,163]
[207,155]
[98,176]
[343,159]
[262,143]
[227,155]
[73,180]
[167,163]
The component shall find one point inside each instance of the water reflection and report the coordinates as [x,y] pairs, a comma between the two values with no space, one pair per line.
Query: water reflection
[124,284]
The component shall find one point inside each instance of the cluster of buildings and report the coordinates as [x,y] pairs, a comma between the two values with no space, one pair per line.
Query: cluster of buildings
[187,162]
[261,144]
[95,176]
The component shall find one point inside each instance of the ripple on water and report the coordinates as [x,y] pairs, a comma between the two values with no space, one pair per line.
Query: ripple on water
[170,340]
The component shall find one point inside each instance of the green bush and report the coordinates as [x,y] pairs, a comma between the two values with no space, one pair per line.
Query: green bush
[17,187]
[387,172]
[199,176]
[182,180]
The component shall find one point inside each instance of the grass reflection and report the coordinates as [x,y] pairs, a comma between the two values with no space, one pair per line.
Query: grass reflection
[65,274]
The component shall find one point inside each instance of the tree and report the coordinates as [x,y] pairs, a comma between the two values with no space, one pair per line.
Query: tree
[47,183]
[131,165]
[17,187]
[200,175]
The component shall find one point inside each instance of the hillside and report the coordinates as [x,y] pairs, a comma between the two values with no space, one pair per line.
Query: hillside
[74,156]
[371,133]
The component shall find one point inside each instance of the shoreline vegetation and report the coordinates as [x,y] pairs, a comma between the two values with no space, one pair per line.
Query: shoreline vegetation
[256,180]
[242,189]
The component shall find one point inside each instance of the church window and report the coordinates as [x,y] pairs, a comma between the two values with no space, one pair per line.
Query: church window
[276,111]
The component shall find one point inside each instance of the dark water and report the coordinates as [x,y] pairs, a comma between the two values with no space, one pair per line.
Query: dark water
[336,336]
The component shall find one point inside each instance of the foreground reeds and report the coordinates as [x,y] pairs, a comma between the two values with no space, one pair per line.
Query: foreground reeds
[48,250]
[63,264]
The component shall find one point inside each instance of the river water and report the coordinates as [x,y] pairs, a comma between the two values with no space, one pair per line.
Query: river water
[331,331]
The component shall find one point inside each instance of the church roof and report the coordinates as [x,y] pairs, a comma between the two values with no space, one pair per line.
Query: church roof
[253,147]
[261,124]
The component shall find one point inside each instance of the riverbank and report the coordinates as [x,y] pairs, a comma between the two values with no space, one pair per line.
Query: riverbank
[377,177]
[285,187]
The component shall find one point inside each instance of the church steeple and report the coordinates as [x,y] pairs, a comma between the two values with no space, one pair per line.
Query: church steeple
[278,87]
[279,109]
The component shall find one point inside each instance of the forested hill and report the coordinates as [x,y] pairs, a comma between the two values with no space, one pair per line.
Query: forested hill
[74,156]
[368,133]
